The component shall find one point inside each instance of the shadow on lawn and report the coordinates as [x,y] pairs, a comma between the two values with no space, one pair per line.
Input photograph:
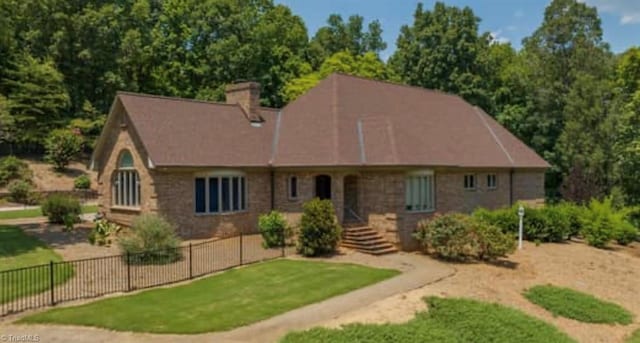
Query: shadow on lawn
[14,242]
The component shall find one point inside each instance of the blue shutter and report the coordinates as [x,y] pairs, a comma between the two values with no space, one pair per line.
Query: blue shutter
[200,195]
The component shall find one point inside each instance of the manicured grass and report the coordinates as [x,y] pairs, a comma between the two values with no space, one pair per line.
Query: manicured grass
[221,302]
[576,305]
[37,212]
[634,338]
[447,320]
[19,250]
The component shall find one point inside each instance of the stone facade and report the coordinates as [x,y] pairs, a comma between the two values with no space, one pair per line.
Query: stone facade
[378,195]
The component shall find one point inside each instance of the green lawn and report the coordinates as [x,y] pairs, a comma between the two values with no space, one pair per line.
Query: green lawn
[576,305]
[221,302]
[18,250]
[634,338]
[447,320]
[37,212]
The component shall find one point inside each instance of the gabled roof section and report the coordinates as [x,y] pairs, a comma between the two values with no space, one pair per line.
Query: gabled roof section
[191,133]
[351,121]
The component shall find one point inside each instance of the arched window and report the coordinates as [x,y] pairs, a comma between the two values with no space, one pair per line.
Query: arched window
[126,182]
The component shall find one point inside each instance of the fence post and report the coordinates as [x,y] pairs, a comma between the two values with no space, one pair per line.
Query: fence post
[128,272]
[240,247]
[190,262]
[51,283]
[284,242]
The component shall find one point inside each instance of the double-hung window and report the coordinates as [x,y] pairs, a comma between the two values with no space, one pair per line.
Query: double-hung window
[492,181]
[419,192]
[292,187]
[470,182]
[223,193]
[125,191]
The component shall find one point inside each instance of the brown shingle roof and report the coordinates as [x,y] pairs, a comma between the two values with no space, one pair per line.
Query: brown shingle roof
[351,121]
[181,132]
[343,121]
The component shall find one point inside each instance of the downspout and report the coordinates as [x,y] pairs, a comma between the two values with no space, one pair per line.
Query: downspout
[511,171]
[273,189]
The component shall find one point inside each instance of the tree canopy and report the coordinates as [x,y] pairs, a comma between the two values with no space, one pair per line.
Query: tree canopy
[564,93]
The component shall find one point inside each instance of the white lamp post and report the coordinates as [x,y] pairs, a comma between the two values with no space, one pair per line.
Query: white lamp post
[521,215]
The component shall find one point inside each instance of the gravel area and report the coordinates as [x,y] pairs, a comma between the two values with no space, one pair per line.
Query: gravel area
[612,275]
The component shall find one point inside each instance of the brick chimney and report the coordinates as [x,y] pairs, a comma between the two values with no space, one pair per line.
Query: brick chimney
[247,95]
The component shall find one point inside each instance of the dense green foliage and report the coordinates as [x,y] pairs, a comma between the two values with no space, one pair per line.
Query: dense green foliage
[222,302]
[564,93]
[58,206]
[103,232]
[152,240]
[37,212]
[19,250]
[598,223]
[20,191]
[82,182]
[12,168]
[602,222]
[576,305]
[457,236]
[61,147]
[319,230]
[274,229]
[447,320]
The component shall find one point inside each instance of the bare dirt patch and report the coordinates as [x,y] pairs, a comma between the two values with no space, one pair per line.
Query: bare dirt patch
[47,179]
[612,275]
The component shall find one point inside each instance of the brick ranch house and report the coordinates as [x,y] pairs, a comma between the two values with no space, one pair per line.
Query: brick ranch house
[385,154]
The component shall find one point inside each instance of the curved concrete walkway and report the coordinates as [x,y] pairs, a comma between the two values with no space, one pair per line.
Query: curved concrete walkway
[417,271]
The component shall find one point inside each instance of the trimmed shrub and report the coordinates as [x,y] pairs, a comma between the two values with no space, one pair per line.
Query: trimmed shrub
[12,168]
[102,232]
[61,146]
[457,236]
[505,218]
[58,206]
[602,222]
[153,240]
[20,191]
[572,213]
[82,182]
[319,229]
[274,229]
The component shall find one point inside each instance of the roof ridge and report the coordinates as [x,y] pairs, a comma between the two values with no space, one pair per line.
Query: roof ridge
[493,134]
[393,83]
[175,98]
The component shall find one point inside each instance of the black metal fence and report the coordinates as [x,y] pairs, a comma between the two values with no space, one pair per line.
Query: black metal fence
[56,282]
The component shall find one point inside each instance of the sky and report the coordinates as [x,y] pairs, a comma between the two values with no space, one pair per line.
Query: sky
[506,20]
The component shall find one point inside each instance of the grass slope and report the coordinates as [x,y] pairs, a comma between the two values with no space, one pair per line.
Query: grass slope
[448,320]
[19,250]
[576,305]
[37,212]
[234,298]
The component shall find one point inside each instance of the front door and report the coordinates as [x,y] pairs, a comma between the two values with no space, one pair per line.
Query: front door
[323,187]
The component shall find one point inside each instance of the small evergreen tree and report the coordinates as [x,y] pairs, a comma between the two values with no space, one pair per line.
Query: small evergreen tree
[319,229]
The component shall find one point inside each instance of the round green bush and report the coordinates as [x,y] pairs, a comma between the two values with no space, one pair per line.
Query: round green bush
[61,146]
[82,182]
[153,240]
[12,168]
[319,229]
[57,207]
[274,229]
[457,236]
[20,191]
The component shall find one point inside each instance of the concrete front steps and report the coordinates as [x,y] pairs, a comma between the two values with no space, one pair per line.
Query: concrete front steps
[366,240]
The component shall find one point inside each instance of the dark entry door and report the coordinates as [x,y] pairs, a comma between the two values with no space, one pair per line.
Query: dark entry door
[323,186]
[351,196]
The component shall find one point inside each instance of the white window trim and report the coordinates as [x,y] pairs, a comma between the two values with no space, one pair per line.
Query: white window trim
[289,196]
[221,174]
[495,184]
[124,175]
[432,188]
[475,182]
